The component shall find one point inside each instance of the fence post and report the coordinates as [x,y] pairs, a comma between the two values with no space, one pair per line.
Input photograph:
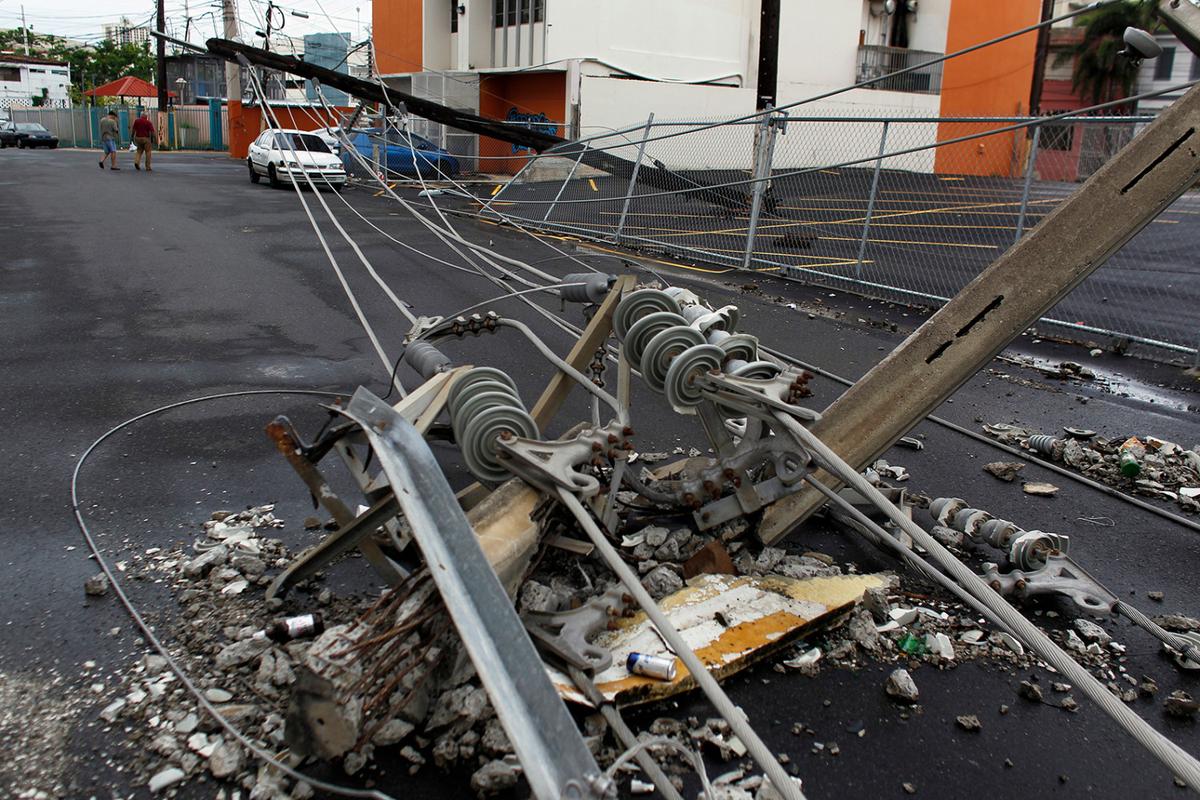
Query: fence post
[530,159]
[567,180]
[637,165]
[633,179]
[216,137]
[862,244]
[764,150]
[74,138]
[1033,149]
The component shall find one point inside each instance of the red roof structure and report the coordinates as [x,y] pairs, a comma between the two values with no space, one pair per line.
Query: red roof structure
[129,86]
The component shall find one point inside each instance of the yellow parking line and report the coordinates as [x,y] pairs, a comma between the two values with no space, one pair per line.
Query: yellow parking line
[968,213]
[495,190]
[911,243]
[592,183]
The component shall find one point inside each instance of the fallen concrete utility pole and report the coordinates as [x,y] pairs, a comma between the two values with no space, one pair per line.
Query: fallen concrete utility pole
[1005,299]
[656,176]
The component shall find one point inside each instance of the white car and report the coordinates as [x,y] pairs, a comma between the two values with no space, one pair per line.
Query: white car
[285,155]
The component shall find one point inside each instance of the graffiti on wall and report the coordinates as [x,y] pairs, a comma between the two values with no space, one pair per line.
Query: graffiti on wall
[534,122]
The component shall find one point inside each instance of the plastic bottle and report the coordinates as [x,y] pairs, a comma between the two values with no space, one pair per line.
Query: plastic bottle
[289,628]
[1129,457]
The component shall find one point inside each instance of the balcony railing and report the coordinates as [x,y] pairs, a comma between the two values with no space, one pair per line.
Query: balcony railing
[875,61]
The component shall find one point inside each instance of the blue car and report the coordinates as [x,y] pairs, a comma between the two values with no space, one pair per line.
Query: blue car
[425,156]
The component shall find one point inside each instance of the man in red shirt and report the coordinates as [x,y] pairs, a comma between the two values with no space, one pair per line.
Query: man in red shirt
[143,139]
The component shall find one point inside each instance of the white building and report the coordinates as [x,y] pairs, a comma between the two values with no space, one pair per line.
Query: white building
[586,68]
[1176,65]
[29,81]
[125,32]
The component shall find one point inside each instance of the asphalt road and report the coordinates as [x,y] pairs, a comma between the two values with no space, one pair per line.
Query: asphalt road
[929,235]
[121,293]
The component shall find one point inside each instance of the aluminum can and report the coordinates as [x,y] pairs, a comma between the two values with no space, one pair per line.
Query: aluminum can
[651,666]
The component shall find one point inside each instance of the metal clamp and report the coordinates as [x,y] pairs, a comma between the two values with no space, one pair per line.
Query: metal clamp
[1060,576]
[549,465]
[565,635]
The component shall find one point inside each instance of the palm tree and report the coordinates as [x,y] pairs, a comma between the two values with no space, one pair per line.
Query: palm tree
[1100,73]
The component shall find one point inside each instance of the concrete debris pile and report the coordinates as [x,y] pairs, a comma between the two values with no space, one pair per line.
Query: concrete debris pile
[1145,465]
[246,677]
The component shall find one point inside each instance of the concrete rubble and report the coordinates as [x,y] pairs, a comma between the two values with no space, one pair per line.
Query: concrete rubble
[1166,470]
[448,723]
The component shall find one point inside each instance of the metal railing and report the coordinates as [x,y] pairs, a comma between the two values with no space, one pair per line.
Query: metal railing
[875,61]
[908,209]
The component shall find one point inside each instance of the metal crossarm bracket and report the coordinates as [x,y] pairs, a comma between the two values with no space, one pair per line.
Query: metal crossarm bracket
[555,760]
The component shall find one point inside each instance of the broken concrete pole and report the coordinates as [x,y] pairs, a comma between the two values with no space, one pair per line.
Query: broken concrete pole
[1079,235]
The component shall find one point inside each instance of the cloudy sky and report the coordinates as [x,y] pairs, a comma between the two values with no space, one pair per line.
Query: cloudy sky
[85,19]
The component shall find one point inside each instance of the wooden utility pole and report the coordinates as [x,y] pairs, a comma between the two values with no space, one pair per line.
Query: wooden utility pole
[160,74]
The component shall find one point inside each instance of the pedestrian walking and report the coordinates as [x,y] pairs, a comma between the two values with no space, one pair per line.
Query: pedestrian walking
[143,139]
[110,133]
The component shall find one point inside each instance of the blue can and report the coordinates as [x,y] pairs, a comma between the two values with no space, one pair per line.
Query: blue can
[651,666]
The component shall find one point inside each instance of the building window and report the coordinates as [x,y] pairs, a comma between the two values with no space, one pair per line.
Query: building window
[454,16]
[39,71]
[1195,69]
[509,12]
[1057,137]
[59,71]
[10,74]
[1164,64]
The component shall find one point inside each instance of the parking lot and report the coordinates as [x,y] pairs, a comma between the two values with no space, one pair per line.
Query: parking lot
[125,292]
[928,236]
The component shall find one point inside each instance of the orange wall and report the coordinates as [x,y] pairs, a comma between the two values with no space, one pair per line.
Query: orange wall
[396,26]
[994,81]
[246,123]
[529,93]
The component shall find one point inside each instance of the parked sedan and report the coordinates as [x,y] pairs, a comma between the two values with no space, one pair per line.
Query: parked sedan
[8,134]
[286,155]
[397,156]
[31,134]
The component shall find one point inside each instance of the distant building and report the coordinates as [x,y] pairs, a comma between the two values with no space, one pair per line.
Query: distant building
[204,79]
[1174,66]
[125,32]
[581,68]
[203,75]
[329,50]
[29,81]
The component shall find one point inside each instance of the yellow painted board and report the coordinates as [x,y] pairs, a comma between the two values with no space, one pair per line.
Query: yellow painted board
[758,616]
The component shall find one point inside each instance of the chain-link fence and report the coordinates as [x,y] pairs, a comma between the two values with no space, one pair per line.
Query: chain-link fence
[904,209]
[188,127]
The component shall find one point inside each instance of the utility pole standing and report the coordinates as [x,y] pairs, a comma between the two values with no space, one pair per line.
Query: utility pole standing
[160,78]
[233,77]
[24,30]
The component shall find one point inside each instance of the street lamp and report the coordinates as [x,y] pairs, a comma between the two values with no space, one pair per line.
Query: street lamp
[180,85]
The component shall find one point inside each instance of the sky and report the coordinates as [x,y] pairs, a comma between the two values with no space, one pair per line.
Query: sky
[82,19]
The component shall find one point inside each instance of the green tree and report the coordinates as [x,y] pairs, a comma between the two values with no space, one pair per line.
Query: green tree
[106,61]
[1100,73]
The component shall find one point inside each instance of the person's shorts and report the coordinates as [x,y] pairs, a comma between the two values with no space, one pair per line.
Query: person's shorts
[110,146]
[142,142]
